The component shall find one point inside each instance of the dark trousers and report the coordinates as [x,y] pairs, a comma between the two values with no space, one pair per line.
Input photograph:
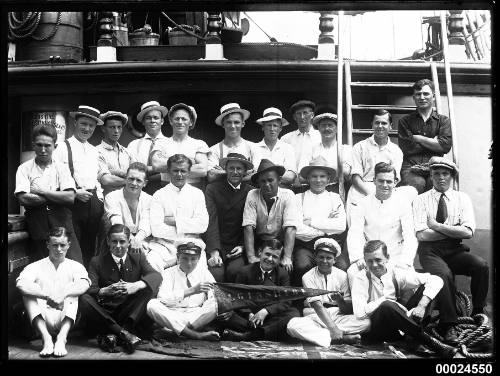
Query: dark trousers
[228,271]
[420,180]
[103,318]
[446,258]
[274,327]
[86,220]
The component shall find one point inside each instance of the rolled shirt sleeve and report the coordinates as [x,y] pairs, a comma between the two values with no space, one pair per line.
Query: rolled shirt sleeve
[250,210]
[290,214]
[112,208]
[355,235]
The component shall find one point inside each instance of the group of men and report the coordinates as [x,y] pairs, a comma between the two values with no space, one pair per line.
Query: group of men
[270,215]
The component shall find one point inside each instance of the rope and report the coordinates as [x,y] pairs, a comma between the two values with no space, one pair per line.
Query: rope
[183,27]
[27,24]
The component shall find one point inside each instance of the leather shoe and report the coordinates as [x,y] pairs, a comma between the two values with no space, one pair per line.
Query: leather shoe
[231,335]
[128,341]
[451,336]
[107,342]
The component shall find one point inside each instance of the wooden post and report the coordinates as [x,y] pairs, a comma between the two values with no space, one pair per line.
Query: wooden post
[213,45]
[348,99]
[449,93]
[326,41]
[106,52]
[455,27]
[437,92]
[340,62]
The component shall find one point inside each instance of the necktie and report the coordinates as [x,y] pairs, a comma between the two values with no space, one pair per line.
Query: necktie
[121,270]
[442,210]
[153,140]
[188,283]
[270,204]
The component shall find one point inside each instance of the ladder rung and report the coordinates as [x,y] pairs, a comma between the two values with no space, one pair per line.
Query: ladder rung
[382,84]
[370,131]
[366,107]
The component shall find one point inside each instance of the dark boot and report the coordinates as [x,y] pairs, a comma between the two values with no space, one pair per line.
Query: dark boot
[439,347]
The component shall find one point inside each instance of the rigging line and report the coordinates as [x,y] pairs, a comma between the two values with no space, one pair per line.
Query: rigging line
[256,24]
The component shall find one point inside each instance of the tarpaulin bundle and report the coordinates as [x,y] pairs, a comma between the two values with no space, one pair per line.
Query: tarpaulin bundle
[232,296]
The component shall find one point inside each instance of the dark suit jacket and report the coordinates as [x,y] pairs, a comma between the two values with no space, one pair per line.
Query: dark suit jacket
[103,272]
[225,209]
[252,275]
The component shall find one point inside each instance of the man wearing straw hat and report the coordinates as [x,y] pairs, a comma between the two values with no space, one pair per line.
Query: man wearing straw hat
[225,203]
[82,158]
[232,118]
[270,213]
[151,116]
[327,318]
[277,151]
[114,158]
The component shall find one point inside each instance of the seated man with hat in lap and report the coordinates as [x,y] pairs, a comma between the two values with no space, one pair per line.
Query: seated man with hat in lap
[185,301]
[329,317]
[270,213]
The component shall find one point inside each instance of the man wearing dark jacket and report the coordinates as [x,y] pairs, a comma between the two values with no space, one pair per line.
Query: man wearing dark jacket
[122,284]
[261,323]
[225,201]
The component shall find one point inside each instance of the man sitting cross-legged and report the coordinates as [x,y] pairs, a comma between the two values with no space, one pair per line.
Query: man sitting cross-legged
[261,323]
[185,302]
[50,288]
[329,317]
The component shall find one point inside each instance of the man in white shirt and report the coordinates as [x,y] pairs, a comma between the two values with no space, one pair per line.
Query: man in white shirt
[376,295]
[151,116]
[185,301]
[305,137]
[130,206]
[329,317]
[385,215]
[178,210]
[370,151]
[232,118]
[275,150]
[50,289]
[82,158]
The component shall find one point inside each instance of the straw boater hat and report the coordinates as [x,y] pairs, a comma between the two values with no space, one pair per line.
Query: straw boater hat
[435,162]
[302,103]
[327,245]
[267,165]
[325,113]
[89,112]
[318,162]
[190,110]
[272,113]
[149,106]
[190,246]
[235,157]
[109,114]
[231,108]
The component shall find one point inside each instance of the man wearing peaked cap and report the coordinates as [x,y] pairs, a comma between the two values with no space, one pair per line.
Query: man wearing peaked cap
[443,217]
[185,301]
[225,201]
[270,213]
[327,318]
[82,159]
[232,118]
[152,116]
[302,139]
[277,151]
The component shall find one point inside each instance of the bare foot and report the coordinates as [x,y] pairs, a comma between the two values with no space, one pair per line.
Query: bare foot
[351,338]
[48,347]
[60,348]
[209,336]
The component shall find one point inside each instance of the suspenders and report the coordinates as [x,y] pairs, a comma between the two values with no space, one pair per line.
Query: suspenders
[70,162]
[370,285]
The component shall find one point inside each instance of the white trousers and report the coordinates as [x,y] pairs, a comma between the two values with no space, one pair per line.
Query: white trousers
[164,255]
[311,328]
[53,317]
[177,318]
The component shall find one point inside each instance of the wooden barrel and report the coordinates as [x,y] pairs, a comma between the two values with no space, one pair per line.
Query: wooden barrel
[67,42]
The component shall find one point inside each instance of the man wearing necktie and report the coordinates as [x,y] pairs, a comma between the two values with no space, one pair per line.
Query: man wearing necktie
[261,323]
[444,217]
[122,283]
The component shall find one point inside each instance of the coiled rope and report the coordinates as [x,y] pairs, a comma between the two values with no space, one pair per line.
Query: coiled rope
[24,25]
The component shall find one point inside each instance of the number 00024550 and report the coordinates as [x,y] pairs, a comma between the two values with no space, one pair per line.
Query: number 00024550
[456,368]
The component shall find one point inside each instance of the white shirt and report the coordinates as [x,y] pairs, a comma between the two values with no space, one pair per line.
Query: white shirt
[117,158]
[117,260]
[189,147]
[459,205]
[174,283]
[140,148]
[302,144]
[330,154]
[390,221]
[187,206]
[335,281]
[118,211]
[85,163]
[282,154]
[318,207]
[50,280]
[384,289]
[246,148]
[55,176]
